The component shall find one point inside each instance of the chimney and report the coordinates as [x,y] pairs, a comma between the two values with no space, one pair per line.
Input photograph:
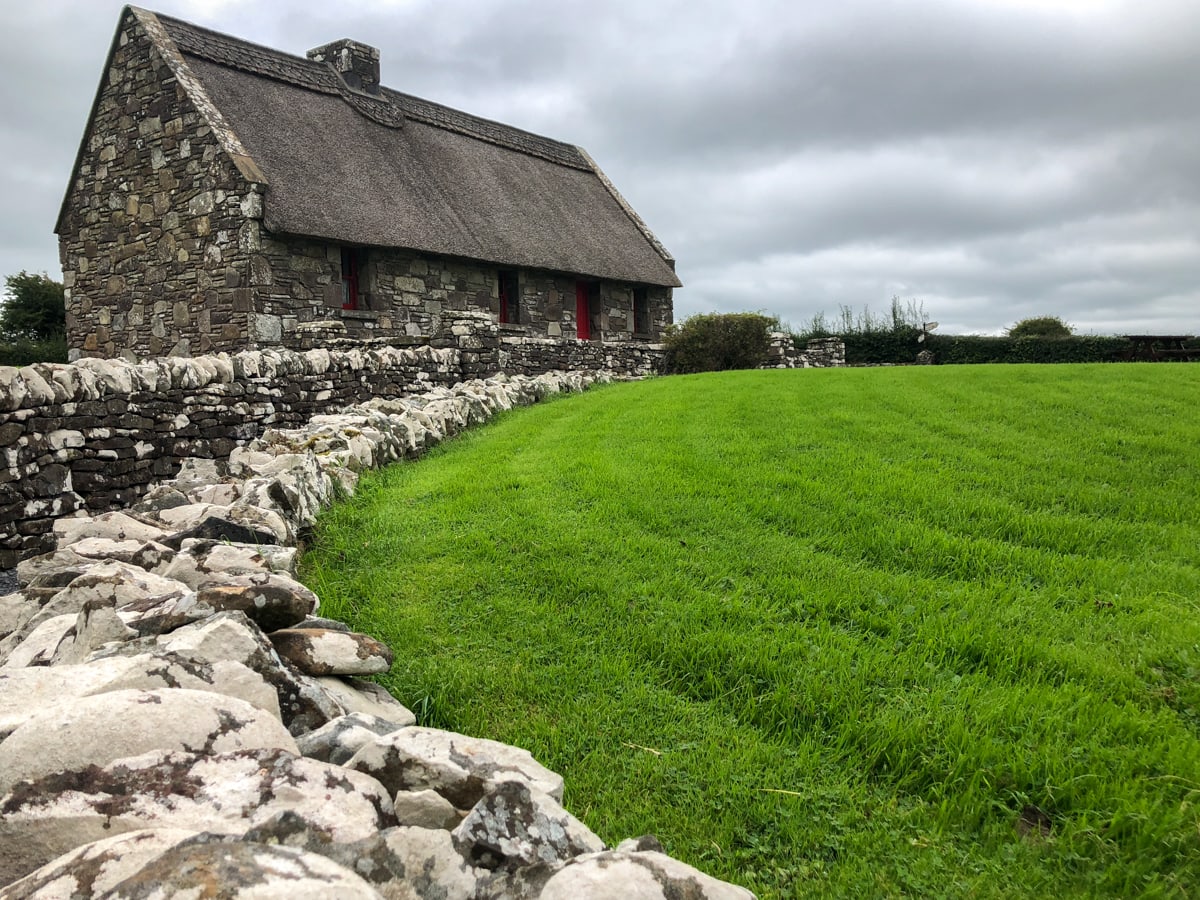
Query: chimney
[357,63]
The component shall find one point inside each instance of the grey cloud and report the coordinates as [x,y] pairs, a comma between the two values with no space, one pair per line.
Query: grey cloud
[990,157]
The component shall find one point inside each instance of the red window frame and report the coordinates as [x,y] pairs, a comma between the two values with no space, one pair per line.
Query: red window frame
[349,279]
[510,297]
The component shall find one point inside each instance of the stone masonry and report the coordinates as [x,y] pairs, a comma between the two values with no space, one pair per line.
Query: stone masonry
[158,228]
[166,249]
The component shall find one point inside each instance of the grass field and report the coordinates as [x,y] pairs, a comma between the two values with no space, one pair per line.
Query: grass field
[926,631]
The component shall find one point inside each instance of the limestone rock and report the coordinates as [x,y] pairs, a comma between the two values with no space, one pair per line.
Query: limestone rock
[329,652]
[223,794]
[15,609]
[28,691]
[65,558]
[613,875]
[115,526]
[200,563]
[94,731]
[338,740]
[322,623]
[425,809]
[303,703]
[515,826]
[402,863]
[271,600]
[37,647]
[357,695]
[94,868]
[237,524]
[149,555]
[462,769]
[96,624]
[192,868]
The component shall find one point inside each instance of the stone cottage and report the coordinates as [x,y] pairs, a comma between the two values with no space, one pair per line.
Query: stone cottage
[227,196]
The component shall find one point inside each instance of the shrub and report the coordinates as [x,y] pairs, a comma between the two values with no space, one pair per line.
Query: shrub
[23,352]
[1041,327]
[714,342]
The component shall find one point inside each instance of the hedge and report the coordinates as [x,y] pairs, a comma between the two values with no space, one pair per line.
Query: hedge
[901,347]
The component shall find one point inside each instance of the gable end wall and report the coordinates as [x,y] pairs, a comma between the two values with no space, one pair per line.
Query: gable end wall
[158,224]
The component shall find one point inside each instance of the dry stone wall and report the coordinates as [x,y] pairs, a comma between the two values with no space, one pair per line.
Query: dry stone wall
[175,714]
[95,434]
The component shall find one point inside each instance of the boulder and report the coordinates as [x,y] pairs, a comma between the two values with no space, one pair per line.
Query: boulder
[36,647]
[515,826]
[271,600]
[115,526]
[224,794]
[338,740]
[200,562]
[462,769]
[357,695]
[94,868]
[425,809]
[613,875]
[402,863]
[329,652]
[96,625]
[237,524]
[15,610]
[207,864]
[25,692]
[303,703]
[93,731]
[149,555]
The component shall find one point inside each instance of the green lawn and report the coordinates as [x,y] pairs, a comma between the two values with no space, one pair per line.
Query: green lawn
[859,632]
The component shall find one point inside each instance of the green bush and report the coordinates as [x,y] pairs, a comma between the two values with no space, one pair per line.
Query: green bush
[1041,327]
[715,342]
[23,352]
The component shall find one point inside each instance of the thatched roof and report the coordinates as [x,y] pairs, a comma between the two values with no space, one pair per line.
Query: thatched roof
[388,169]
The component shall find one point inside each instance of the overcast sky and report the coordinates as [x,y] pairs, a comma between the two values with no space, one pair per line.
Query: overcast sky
[991,159]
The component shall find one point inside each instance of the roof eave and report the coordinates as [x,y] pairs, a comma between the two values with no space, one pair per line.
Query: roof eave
[629,211]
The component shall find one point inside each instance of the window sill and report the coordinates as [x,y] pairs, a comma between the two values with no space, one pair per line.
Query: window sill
[364,314]
[512,327]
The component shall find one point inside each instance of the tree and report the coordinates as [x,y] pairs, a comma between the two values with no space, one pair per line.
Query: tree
[1041,327]
[33,307]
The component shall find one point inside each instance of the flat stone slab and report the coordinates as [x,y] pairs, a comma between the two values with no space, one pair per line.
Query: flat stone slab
[224,794]
[327,652]
[462,769]
[94,731]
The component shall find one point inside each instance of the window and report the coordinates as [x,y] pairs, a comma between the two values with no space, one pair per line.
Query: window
[587,310]
[510,296]
[641,311]
[350,270]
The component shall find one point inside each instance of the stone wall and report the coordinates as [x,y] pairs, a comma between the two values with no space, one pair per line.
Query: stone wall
[93,435]
[404,294]
[158,225]
[174,714]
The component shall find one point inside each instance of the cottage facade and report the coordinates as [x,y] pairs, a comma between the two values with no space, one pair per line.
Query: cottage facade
[228,196]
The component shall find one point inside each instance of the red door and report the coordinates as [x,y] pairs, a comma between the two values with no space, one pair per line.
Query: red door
[583,318]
